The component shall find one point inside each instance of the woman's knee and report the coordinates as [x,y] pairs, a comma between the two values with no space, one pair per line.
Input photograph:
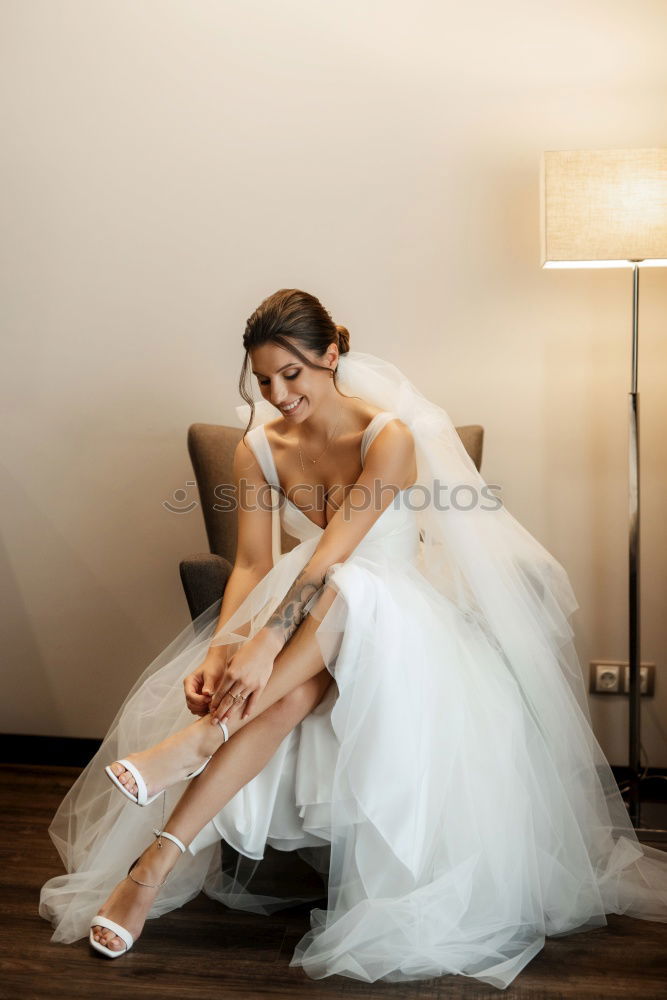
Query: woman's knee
[303,698]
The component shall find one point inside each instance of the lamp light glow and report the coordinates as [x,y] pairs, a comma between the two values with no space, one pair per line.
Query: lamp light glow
[603,207]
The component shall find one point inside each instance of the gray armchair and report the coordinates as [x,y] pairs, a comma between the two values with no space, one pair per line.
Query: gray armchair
[211,448]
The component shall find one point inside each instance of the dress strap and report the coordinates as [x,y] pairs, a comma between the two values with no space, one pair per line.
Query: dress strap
[373,429]
[259,443]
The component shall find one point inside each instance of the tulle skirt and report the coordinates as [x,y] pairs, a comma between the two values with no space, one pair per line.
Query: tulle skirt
[455,822]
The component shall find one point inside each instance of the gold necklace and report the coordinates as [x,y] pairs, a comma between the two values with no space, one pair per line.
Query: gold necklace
[313,460]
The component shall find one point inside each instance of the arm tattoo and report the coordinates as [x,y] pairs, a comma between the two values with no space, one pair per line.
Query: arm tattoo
[290,613]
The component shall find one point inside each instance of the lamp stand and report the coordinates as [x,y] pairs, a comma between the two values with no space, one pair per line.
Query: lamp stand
[634,748]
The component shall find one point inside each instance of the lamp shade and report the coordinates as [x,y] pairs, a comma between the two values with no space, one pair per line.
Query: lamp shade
[603,207]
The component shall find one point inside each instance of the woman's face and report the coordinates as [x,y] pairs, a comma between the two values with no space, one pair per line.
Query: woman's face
[284,379]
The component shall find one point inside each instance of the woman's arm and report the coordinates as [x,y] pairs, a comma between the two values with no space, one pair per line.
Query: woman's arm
[389,466]
[254,521]
[253,561]
[241,581]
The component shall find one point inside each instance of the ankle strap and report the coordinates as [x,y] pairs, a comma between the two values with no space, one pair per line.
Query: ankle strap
[170,836]
[223,726]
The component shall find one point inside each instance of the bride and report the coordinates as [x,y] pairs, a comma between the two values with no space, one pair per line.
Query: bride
[397,699]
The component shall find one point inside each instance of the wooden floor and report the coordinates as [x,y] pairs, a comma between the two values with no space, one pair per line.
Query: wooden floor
[205,950]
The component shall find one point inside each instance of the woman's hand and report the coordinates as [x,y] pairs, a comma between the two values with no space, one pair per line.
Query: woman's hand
[201,684]
[247,673]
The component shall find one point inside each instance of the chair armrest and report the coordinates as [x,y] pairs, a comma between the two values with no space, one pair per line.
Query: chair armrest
[204,578]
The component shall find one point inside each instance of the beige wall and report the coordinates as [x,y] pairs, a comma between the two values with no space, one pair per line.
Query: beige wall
[168,164]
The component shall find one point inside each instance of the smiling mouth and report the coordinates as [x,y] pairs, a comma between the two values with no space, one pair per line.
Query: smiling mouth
[292,409]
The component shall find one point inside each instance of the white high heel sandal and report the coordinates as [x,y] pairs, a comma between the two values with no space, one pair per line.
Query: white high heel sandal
[141,798]
[100,920]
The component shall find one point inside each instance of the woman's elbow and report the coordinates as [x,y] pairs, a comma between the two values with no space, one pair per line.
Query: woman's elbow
[320,564]
[259,568]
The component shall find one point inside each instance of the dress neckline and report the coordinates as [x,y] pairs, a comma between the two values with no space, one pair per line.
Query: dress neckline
[277,478]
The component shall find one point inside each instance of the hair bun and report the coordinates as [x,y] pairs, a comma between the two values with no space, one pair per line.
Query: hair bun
[343,339]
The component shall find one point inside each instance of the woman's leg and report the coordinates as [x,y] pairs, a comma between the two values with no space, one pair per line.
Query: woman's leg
[242,758]
[178,755]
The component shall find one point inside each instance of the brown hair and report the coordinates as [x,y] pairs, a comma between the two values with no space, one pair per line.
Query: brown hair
[291,313]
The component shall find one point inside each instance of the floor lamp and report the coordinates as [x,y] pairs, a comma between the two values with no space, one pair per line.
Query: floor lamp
[608,208]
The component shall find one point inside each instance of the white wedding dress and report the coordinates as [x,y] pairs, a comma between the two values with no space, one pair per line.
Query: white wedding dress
[456,821]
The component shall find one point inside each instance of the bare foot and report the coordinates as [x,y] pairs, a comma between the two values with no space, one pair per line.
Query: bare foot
[129,903]
[173,759]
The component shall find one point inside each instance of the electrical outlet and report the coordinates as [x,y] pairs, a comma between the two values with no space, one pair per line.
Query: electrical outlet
[613,677]
[605,677]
